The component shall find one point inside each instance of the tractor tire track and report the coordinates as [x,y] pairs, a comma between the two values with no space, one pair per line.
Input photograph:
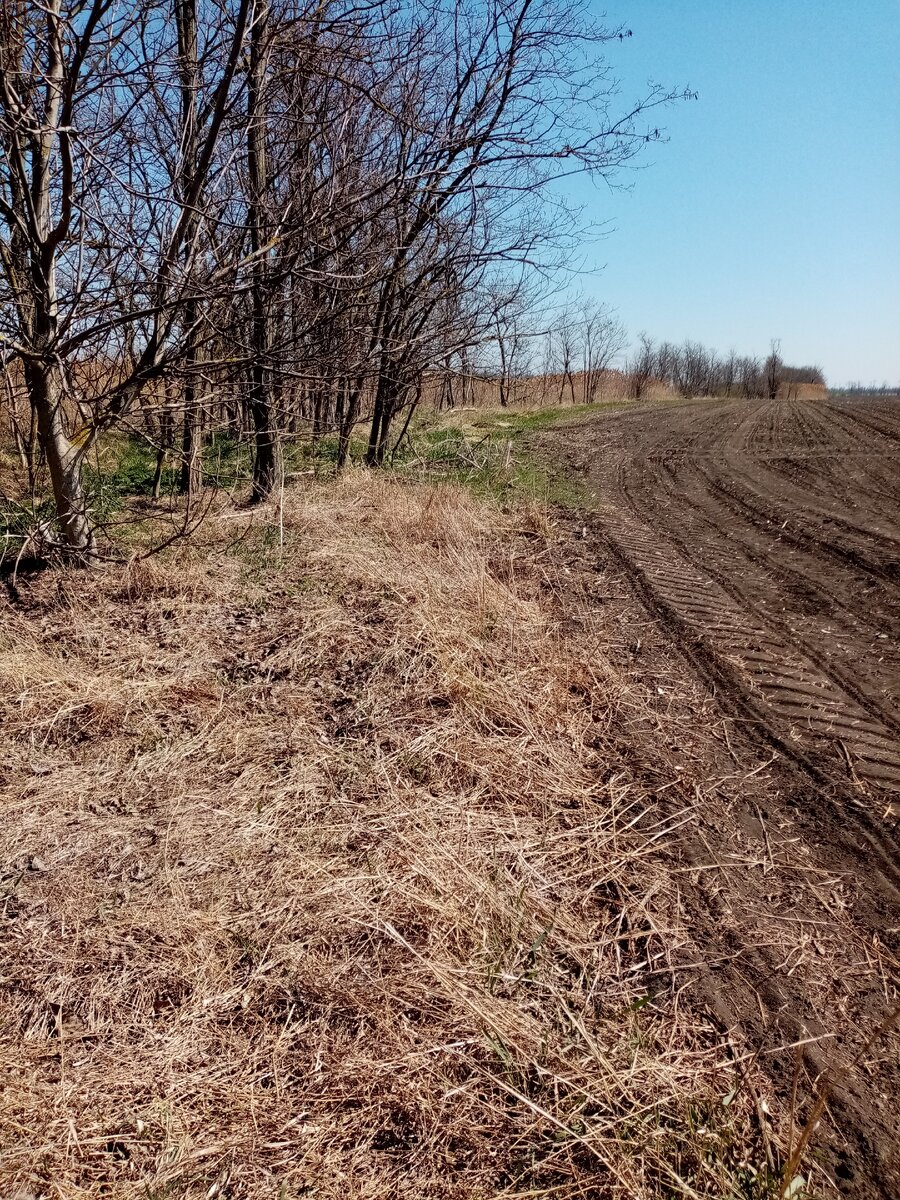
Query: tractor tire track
[762,539]
[777,611]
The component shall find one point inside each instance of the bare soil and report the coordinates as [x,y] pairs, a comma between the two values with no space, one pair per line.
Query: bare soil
[753,550]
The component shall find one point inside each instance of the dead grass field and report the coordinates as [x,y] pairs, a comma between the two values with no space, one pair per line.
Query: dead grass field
[325,872]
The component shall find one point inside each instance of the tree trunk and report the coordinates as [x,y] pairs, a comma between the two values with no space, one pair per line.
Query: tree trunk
[191,478]
[504,368]
[165,444]
[157,472]
[63,460]
[267,456]
[381,421]
[267,453]
[349,419]
[34,255]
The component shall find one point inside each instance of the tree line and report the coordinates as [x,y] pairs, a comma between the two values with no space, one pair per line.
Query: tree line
[692,369]
[578,356]
[277,214]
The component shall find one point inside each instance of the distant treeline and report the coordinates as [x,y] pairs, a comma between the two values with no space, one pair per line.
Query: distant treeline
[579,356]
[863,389]
[693,369]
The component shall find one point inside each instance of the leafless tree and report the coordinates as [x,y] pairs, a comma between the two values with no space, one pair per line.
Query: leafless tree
[727,372]
[564,347]
[97,245]
[749,373]
[513,316]
[666,365]
[696,369]
[266,462]
[191,203]
[640,366]
[603,338]
[773,369]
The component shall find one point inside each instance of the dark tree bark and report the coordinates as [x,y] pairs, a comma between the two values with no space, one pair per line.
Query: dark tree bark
[191,475]
[267,453]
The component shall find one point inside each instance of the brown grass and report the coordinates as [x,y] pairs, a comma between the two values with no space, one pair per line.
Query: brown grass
[322,876]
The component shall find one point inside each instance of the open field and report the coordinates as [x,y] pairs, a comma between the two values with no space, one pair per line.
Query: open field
[769,534]
[761,543]
[406,839]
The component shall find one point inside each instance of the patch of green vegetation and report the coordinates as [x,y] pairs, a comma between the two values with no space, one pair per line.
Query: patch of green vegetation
[484,449]
[301,454]
[121,468]
[227,460]
[124,467]
[514,421]
[489,453]
[304,453]
[18,520]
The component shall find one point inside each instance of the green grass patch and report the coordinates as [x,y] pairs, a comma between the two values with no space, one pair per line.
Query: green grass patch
[488,451]
[483,449]
[512,421]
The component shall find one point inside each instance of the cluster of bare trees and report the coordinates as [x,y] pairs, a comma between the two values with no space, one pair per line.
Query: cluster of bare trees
[279,215]
[870,389]
[586,338]
[692,369]
[576,357]
[566,357]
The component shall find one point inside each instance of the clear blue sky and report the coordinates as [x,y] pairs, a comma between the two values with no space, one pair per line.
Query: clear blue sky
[774,208]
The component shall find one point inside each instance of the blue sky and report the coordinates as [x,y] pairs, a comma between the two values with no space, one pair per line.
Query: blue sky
[774,208]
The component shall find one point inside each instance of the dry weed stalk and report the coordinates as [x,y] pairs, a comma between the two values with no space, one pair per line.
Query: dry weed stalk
[321,876]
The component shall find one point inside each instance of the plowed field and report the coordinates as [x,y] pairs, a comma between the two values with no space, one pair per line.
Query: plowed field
[760,543]
[768,536]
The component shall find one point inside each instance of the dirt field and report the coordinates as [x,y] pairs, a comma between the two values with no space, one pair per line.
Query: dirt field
[759,544]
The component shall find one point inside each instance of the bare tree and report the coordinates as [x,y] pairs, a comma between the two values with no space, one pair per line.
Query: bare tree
[695,369]
[37,85]
[773,369]
[512,316]
[477,145]
[266,462]
[640,366]
[100,249]
[565,346]
[666,365]
[603,338]
[191,201]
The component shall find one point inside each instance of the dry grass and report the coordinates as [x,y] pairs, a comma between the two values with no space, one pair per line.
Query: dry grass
[322,876]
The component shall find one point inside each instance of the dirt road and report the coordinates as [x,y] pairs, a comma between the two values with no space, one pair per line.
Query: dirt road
[760,543]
